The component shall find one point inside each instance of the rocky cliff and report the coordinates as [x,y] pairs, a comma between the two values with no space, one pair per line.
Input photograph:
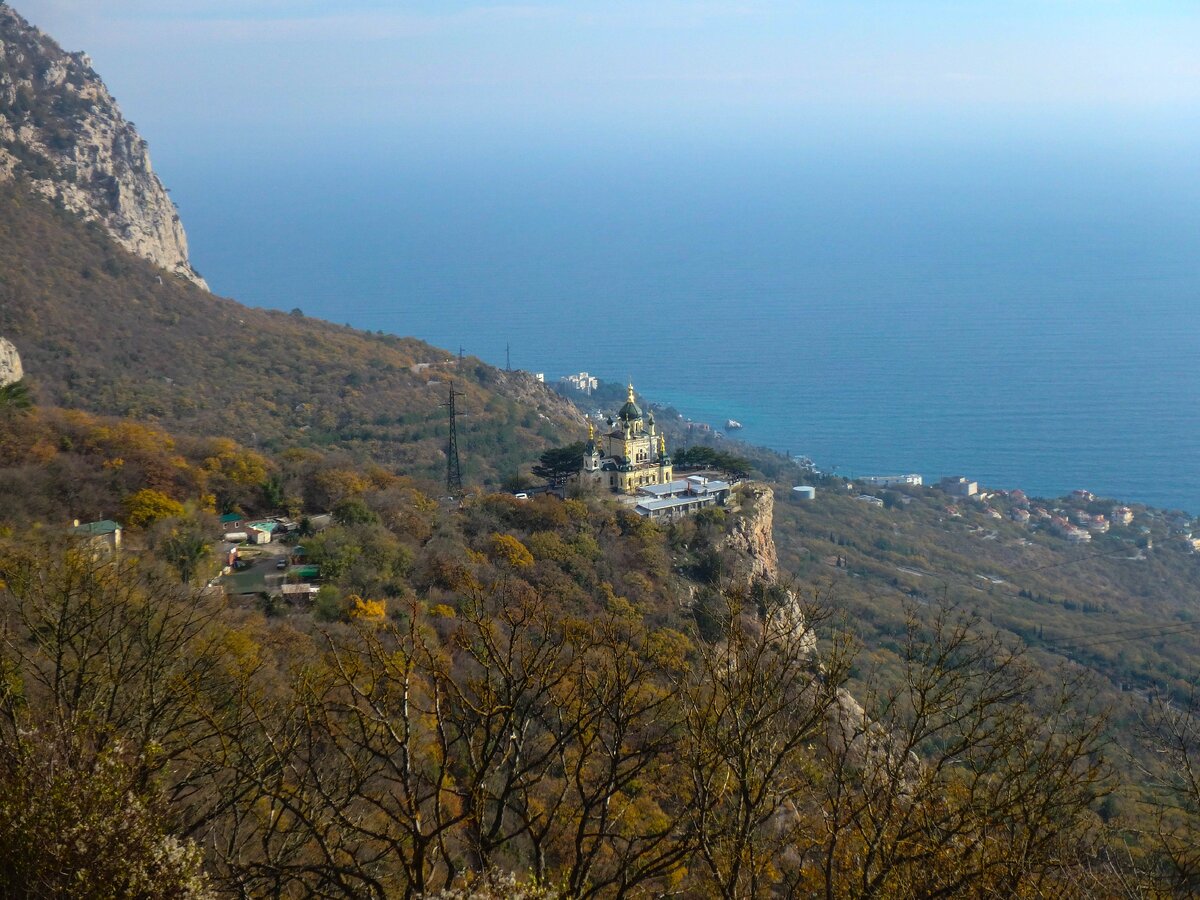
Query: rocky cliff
[61,131]
[754,566]
[751,540]
[751,545]
[10,363]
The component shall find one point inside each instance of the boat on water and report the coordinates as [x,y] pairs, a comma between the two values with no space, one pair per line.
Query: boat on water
[732,425]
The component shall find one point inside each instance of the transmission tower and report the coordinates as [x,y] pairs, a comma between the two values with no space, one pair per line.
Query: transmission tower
[453,468]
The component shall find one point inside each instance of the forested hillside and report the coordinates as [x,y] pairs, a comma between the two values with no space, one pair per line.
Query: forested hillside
[492,696]
[550,696]
[1123,604]
[103,331]
[357,745]
[553,693]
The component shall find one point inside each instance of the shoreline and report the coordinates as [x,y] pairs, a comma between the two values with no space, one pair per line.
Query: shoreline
[607,391]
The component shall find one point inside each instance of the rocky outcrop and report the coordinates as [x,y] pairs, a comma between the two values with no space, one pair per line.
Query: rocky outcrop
[63,133]
[751,540]
[754,567]
[10,363]
[750,544]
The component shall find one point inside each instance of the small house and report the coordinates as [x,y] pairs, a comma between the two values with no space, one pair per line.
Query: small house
[103,535]
[262,532]
[959,486]
[232,522]
[257,535]
[298,593]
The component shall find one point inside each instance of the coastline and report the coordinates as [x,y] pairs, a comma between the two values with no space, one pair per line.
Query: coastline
[676,422]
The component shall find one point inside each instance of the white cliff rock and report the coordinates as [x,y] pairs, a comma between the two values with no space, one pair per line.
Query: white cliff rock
[755,566]
[10,363]
[62,132]
[751,538]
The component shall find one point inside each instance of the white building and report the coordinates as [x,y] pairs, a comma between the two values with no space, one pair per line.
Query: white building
[959,486]
[581,382]
[675,499]
[893,480]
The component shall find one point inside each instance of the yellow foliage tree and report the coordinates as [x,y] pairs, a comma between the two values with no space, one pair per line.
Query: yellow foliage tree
[361,610]
[338,484]
[148,506]
[239,465]
[508,550]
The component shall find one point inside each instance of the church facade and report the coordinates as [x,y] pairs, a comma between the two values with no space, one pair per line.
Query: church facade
[630,455]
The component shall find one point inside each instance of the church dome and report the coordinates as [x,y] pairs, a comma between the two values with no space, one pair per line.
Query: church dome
[630,410]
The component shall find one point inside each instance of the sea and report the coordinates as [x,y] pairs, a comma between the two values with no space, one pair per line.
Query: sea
[1025,312]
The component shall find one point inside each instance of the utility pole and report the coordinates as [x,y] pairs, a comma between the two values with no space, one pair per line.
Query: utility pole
[507,359]
[453,468]
[460,352]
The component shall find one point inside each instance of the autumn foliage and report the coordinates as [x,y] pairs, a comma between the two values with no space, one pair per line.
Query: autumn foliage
[598,749]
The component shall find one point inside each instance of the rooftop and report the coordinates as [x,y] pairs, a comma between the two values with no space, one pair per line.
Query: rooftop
[685,486]
[104,526]
[668,502]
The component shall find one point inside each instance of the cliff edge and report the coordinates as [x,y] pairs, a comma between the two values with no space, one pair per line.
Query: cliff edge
[63,133]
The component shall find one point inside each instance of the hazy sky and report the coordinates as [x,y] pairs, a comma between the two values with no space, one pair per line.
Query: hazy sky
[200,74]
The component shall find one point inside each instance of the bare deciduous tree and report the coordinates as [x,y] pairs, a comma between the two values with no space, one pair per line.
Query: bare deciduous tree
[971,776]
[758,701]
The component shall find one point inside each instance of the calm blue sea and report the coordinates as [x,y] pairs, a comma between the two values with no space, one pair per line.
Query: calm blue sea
[1027,315]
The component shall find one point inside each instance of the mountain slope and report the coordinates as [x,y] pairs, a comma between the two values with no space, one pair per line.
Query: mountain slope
[86,229]
[103,331]
[62,131]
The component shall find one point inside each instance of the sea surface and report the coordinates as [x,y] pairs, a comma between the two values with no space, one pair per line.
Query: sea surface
[1026,314]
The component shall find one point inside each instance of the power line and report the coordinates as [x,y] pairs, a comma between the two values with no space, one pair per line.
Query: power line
[1071,562]
[1125,632]
[1145,633]
[947,577]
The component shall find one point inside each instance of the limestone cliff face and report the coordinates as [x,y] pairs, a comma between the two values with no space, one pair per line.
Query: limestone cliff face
[61,130]
[10,363]
[750,546]
[751,539]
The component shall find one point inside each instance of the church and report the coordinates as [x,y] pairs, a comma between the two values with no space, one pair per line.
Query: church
[631,455]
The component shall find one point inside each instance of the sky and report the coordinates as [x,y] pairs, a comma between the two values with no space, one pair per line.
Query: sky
[211,76]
